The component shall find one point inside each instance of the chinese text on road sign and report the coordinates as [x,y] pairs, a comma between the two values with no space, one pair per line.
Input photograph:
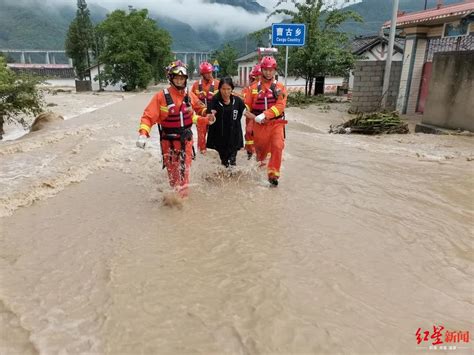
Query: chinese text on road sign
[288,34]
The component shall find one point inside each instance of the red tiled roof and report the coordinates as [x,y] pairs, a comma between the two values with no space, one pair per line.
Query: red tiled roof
[460,9]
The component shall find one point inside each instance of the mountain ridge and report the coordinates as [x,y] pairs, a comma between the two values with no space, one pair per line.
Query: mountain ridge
[41,26]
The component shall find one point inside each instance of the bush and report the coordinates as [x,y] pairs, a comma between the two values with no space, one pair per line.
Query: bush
[298,99]
[373,123]
[18,95]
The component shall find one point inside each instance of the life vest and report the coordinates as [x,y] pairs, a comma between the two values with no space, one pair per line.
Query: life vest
[265,99]
[206,97]
[177,126]
[178,119]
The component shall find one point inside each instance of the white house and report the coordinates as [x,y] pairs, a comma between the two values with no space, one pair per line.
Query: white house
[247,62]
[94,70]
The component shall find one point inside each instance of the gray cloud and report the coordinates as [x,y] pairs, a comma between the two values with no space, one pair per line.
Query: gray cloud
[197,13]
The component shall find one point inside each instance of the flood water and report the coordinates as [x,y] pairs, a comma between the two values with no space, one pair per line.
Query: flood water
[365,240]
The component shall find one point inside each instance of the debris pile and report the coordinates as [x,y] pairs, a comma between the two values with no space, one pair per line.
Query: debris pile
[372,123]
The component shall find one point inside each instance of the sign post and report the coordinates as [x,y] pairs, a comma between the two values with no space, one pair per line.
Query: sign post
[216,67]
[288,34]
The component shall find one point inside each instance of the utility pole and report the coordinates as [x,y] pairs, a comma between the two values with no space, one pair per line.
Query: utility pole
[388,64]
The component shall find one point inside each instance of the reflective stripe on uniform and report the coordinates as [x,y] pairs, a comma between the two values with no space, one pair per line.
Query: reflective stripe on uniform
[145,127]
[273,172]
[248,142]
[195,119]
[164,108]
[275,110]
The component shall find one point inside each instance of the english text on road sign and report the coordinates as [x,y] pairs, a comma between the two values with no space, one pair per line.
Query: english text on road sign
[288,34]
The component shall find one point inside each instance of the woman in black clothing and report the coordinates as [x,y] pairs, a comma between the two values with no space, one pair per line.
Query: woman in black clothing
[225,133]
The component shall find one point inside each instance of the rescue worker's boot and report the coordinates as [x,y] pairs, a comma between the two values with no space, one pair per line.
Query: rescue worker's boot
[273,181]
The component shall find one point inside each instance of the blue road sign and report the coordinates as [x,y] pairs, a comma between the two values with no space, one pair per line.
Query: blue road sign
[288,34]
[217,68]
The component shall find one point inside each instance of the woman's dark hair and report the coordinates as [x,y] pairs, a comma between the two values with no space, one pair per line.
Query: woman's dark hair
[226,80]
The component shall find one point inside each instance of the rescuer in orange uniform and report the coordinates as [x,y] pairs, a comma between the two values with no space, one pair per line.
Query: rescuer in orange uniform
[172,110]
[255,75]
[266,103]
[204,89]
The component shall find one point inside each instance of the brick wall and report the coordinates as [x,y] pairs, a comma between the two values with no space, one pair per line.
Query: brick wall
[368,84]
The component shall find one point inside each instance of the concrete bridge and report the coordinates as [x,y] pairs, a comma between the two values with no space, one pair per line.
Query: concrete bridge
[25,55]
[198,57]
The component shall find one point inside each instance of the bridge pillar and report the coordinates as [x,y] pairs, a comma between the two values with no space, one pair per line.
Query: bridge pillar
[29,59]
[47,58]
[186,58]
[22,59]
[70,61]
[53,57]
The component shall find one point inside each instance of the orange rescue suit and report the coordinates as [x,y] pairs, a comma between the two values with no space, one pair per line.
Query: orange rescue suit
[249,144]
[173,117]
[268,97]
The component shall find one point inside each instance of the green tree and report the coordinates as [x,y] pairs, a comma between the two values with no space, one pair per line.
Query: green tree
[79,40]
[191,67]
[226,58]
[135,49]
[18,95]
[326,51]
[98,46]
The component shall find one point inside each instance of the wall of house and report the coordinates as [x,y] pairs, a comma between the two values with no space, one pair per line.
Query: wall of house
[410,82]
[368,85]
[404,82]
[298,84]
[435,31]
[243,71]
[417,70]
[95,84]
[450,101]
[379,52]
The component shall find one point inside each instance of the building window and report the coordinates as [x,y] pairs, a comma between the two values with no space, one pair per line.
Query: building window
[456,29]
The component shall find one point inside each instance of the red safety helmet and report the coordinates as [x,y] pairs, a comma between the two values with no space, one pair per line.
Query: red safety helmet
[205,68]
[256,71]
[268,63]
